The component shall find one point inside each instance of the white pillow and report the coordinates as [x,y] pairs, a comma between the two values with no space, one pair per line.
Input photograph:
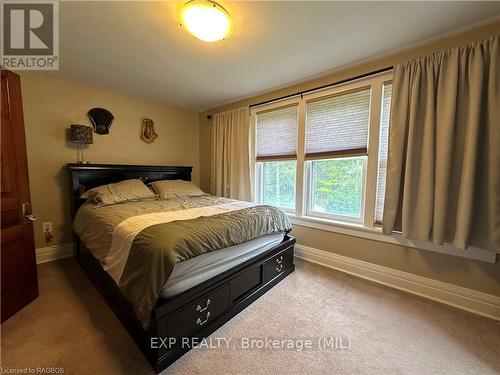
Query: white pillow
[169,189]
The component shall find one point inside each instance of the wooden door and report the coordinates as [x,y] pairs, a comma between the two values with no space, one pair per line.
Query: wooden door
[17,253]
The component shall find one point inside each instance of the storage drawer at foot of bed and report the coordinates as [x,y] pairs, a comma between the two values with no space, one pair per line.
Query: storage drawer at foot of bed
[278,264]
[199,313]
[245,282]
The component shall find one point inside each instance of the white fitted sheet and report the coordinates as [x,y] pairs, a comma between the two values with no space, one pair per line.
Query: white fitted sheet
[194,271]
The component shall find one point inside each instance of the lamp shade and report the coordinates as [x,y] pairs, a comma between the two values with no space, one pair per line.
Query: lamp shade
[81,134]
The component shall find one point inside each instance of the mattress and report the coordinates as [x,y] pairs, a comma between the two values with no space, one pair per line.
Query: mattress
[196,270]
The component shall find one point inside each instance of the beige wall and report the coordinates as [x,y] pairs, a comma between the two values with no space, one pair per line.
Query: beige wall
[51,105]
[459,271]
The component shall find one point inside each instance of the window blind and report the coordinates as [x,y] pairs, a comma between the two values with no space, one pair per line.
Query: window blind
[338,125]
[383,151]
[277,134]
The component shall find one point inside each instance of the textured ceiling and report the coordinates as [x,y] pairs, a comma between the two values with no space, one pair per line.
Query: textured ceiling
[139,47]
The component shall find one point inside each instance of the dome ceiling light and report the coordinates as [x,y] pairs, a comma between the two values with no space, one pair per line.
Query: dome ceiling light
[206,20]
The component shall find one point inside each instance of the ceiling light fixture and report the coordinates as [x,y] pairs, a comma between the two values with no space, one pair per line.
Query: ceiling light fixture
[206,20]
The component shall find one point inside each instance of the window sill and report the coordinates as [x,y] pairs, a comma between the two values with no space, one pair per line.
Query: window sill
[375,234]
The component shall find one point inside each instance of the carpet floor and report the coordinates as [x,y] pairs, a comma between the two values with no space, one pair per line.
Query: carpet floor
[354,327]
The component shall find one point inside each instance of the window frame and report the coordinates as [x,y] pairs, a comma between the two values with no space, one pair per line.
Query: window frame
[303,178]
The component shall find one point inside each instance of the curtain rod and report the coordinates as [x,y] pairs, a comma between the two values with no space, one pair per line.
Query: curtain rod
[209,117]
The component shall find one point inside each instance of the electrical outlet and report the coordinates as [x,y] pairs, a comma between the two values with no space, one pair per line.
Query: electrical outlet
[47,226]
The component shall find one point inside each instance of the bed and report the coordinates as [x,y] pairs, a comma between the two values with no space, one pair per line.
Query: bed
[199,294]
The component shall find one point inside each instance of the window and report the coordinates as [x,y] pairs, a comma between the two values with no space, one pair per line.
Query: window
[337,127]
[337,188]
[278,183]
[338,170]
[276,144]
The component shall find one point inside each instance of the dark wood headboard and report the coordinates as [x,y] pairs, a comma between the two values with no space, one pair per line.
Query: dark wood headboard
[84,177]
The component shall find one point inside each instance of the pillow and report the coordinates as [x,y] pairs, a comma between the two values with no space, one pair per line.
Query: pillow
[169,189]
[127,190]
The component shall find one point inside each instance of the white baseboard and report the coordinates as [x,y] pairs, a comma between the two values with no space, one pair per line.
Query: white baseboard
[463,298]
[54,252]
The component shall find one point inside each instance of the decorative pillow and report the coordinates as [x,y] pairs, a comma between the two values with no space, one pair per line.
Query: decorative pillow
[127,190]
[169,189]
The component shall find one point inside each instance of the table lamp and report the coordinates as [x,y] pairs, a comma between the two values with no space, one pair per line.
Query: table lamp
[82,135]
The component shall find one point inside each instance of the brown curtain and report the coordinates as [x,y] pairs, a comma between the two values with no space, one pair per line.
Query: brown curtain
[231,154]
[444,148]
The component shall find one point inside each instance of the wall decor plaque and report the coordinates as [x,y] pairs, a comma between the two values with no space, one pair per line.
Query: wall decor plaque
[148,133]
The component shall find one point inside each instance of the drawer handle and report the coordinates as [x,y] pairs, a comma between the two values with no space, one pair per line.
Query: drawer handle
[279,260]
[279,268]
[201,309]
[201,322]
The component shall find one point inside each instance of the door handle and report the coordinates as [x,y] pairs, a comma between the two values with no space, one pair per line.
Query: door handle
[28,216]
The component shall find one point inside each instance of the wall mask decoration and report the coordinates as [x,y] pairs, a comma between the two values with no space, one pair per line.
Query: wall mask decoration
[148,133]
[101,120]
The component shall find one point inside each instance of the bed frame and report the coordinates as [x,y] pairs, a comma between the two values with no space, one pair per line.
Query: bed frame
[179,321]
